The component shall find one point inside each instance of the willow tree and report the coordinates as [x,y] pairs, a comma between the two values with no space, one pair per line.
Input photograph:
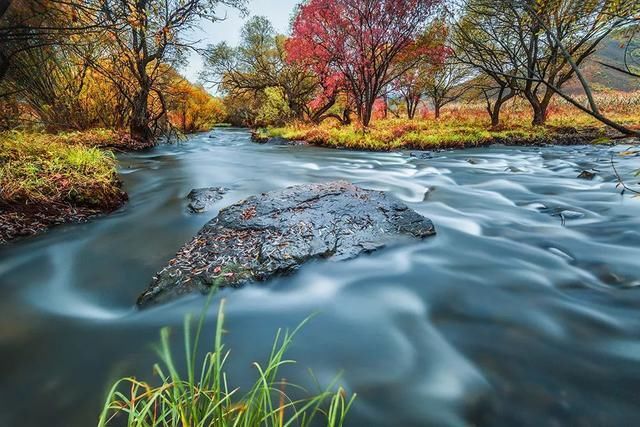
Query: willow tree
[258,67]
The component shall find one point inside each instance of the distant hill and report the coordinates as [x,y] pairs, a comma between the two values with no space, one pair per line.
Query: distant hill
[611,51]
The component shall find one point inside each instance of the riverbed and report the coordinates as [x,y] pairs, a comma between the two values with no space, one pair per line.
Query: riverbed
[523,310]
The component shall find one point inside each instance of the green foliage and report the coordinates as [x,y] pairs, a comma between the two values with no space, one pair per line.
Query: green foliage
[260,85]
[274,109]
[40,168]
[205,398]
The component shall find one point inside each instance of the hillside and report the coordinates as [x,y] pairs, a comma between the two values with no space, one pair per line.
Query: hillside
[611,51]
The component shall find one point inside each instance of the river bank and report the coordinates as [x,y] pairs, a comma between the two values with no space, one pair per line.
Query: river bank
[402,134]
[47,180]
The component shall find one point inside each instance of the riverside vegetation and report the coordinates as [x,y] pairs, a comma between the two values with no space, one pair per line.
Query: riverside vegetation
[466,125]
[47,179]
[206,397]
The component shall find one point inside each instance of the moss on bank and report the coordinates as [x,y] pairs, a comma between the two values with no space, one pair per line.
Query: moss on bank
[51,179]
[385,135]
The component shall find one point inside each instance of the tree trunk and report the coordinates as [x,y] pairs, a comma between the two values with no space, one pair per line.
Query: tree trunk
[346,117]
[501,99]
[4,66]
[409,103]
[539,116]
[437,107]
[317,116]
[412,102]
[366,113]
[386,106]
[495,111]
[139,125]
[539,109]
[495,117]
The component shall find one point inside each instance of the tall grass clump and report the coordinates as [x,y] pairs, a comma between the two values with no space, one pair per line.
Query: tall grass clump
[204,397]
[41,169]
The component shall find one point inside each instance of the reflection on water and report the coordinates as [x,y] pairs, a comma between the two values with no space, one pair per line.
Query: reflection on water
[522,311]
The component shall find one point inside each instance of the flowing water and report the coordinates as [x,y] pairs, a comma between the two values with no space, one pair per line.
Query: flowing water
[524,310]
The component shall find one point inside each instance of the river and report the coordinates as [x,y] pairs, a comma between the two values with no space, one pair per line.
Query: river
[523,310]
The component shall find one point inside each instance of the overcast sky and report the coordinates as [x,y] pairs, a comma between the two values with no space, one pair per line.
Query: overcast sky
[277,11]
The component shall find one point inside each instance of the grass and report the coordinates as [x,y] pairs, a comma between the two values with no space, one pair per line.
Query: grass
[395,134]
[41,169]
[204,397]
[462,126]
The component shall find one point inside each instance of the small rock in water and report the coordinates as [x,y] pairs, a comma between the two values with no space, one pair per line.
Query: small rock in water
[275,233]
[202,199]
[426,155]
[563,213]
[427,193]
[473,161]
[568,215]
[513,169]
[588,175]
[258,137]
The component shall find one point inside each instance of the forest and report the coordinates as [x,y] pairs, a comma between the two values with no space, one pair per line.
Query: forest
[513,124]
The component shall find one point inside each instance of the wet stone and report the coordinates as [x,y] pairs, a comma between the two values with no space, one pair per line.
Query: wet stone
[202,199]
[587,175]
[422,155]
[275,233]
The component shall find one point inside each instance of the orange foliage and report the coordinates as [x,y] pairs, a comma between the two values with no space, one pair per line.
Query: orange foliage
[191,108]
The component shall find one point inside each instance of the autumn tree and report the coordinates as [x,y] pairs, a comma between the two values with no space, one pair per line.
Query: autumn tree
[434,74]
[447,83]
[614,16]
[145,35]
[27,25]
[533,48]
[358,41]
[51,81]
[190,107]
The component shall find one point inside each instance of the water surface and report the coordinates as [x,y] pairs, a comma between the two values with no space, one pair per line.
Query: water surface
[524,309]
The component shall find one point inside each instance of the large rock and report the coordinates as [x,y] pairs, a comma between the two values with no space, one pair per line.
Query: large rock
[274,233]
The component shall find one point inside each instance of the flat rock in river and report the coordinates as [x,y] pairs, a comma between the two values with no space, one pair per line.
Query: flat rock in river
[274,233]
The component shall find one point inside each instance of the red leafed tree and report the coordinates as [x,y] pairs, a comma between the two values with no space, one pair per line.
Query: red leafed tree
[359,40]
[423,57]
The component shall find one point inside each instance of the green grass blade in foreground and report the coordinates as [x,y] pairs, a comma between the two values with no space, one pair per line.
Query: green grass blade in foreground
[206,399]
